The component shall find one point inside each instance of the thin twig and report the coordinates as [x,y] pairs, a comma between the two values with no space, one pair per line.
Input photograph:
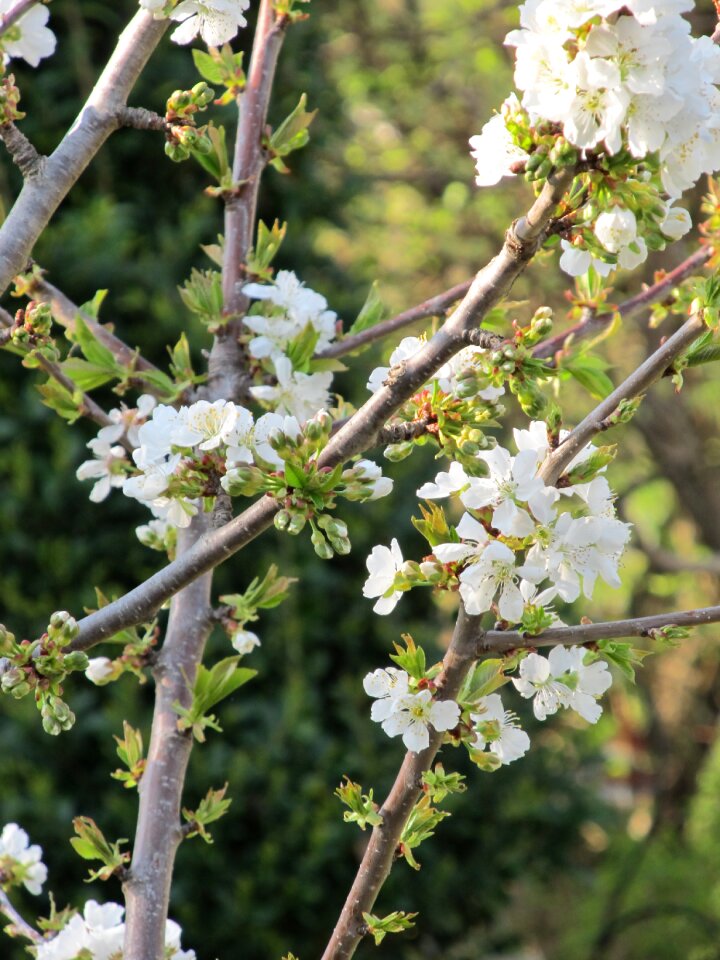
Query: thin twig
[382,846]
[432,307]
[638,381]
[19,925]
[141,119]
[24,155]
[498,641]
[12,16]
[360,432]
[401,432]
[592,323]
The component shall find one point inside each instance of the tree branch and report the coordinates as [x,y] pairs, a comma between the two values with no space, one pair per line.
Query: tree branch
[138,118]
[43,193]
[228,376]
[18,924]
[159,831]
[382,846]
[428,308]
[358,434]
[23,153]
[498,641]
[638,381]
[592,323]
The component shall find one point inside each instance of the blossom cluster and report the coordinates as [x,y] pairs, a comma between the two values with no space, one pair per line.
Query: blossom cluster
[215,21]
[513,535]
[29,38]
[21,862]
[448,376]
[99,934]
[294,323]
[406,706]
[626,80]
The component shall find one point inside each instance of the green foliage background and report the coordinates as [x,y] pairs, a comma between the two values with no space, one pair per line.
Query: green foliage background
[552,854]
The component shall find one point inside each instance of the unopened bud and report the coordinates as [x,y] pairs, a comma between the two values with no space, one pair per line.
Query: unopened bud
[321,546]
[282,520]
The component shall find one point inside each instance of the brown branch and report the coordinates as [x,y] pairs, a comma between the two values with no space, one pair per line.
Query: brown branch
[646,374]
[382,847]
[43,193]
[10,18]
[592,323]
[432,307]
[141,119]
[159,831]
[499,641]
[228,375]
[24,155]
[19,926]
[400,432]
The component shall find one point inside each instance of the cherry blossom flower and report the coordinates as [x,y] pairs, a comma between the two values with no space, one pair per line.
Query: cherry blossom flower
[126,421]
[445,484]
[204,425]
[244,641]
[21,859]
[108,469]
[493,150]
[495,571]
[29,38]
[383,565]
[563,680]
[386,686]
[99,669]
[412,713]
[299,394]
[498,730]
[215,21]
[298,306]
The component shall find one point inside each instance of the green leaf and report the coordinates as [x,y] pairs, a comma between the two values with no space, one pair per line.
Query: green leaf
[487,677]
[208,67]
[292,134]
[302,347]
[372,312]
[66,404]
[294,476]
[86,375]
[590,373]
[92,349]
[395,922]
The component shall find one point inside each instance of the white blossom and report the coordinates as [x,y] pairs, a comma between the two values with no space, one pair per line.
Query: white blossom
[22,858]
[383,564]
[204,425]
[676,223]
[496,572]
[299,394]
[108,468]
[298,306]
[380,485]
[411,715]
[244,641]
[386,686]
[99,669]
[498,730]
[493,149]
[616,228]
[563,680]
[29,38]
[126,421]
[215,21]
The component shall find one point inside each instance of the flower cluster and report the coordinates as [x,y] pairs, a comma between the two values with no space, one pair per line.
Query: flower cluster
[402,710]
[29,38]
[513,535]
[624,81]
[19,861]
[294,324]
[563,680]
[99,934]
[215,21]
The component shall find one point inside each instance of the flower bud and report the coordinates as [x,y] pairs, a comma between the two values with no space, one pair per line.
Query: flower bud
[282,520]
[76,660]
[341,545]
[7,641]
[333,526]
[203,95]
[398,451]
[297,524]
[321,546]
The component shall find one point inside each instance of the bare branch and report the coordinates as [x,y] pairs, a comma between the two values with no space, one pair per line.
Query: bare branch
[638,381]
[141,119]
[381,849]
[432,307]
[43,193]
[20,926]
[400,432]
[159,832]
[10,18]
[23,153]
[592,323]
[498,641]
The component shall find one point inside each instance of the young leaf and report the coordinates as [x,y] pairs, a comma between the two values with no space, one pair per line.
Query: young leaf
[372,312]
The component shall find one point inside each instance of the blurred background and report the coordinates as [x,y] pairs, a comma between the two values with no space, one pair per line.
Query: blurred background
[602,842]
